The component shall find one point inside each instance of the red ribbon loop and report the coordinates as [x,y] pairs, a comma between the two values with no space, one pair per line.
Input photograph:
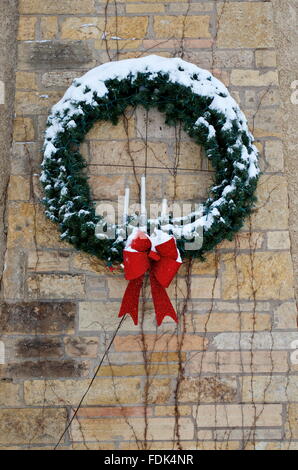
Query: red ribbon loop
[163,262]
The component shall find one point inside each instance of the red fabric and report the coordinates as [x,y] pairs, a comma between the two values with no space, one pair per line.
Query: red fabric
[163,267]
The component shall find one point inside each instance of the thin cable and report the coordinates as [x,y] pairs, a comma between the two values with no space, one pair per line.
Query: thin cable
[91,383]
[152,167]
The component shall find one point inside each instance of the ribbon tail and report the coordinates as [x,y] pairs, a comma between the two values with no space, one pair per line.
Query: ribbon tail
[161,301]
[130,301]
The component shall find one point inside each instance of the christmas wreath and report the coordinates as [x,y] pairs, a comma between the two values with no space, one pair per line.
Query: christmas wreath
[184,93]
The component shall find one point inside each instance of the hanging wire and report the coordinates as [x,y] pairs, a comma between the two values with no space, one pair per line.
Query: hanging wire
[91,383]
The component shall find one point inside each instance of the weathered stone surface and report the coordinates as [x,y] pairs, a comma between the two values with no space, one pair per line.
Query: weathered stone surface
[270,276]
[253,341]
[9,394]
[190,27]
[35,426]
[292,424]
[265,58]
[38,347]
[20,225]
[272,207]
[49,27]
[93,28]
[33,102]
[54,55]
[50,369]
[238,415]
[37,317]
[26,29]
[26,80]
[274,155]
[225,362]
[19,188]
[55,286]
[92,429]
[245,24]
[286,316]
[80,346]
[55,6]
[105,391]
[207,389]
[253,78]
[229,322]
[279,240]
[59,79]
[264,389]
[48,261]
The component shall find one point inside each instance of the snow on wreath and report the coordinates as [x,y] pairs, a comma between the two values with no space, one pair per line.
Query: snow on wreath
[184,93]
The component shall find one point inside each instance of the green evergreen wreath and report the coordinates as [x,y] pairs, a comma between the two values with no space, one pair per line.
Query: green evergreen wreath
[184,93]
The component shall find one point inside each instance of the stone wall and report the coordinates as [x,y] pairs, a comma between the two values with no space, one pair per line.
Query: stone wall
[226,378]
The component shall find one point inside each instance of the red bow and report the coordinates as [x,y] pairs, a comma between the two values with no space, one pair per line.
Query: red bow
[162,264]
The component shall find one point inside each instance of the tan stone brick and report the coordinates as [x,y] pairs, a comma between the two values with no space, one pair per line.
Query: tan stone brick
[261,388]
[56,286]
[265,124]
[225,362]
[181,7]
[138,369]
[59,78]
[286,316]
[80,346]
[105,391]
[94,429]
[201,267]
[187,188]
[245,24]
[156,1]
[274,155]
[244,241]
[208,389]
[18,189]
[118,44]
[272,276]
[48,261]
[93,28]
[253,78]
[23,129]
[229,322]
[203,288]
[21,425]
[31,102]
[26,80]
[171,410]
[272,205]
[20,225]
[49,27]
[116,132]
[278,240]
[265,58]
[56,6]
[145,8]
[190,27]
[85,262]
[238,415]
[26,29]
[189,156]
[160,390]
[292,421]
[165,342]
[47,235]
[113,411]
[9,394]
